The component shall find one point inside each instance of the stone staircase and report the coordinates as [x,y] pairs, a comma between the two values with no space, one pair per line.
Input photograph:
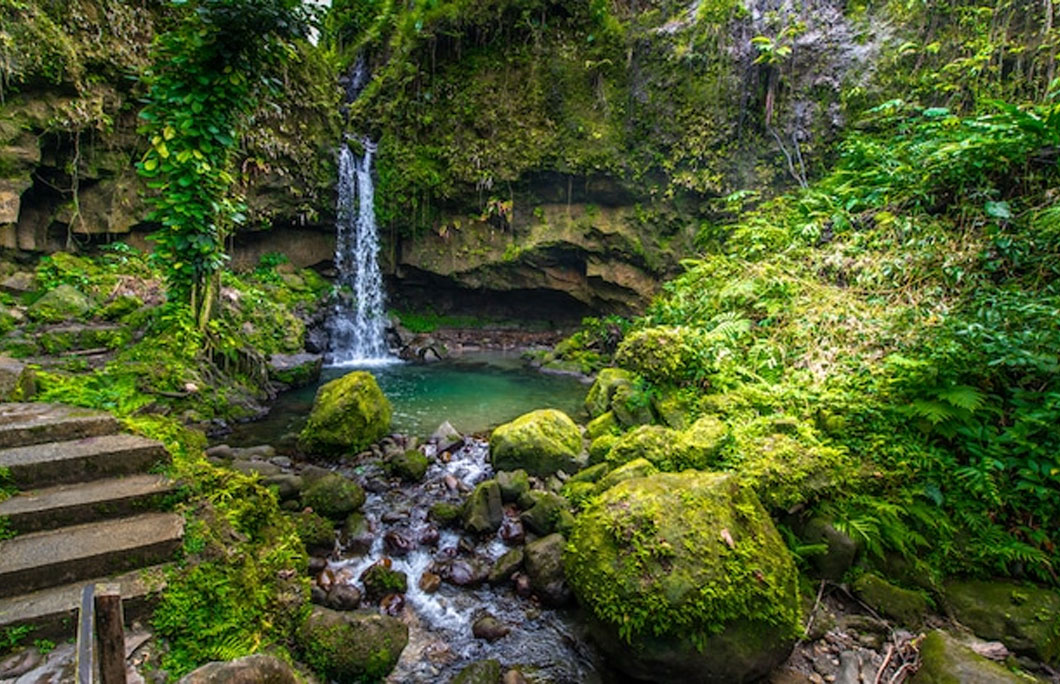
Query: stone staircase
[86,511]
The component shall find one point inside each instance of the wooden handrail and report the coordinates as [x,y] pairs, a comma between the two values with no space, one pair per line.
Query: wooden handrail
[101,636]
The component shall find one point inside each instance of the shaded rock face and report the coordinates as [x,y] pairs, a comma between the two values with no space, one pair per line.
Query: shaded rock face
[1024,617]
[944,660]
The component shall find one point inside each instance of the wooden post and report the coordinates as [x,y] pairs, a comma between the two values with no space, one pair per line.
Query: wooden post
[110,633]
[86,649]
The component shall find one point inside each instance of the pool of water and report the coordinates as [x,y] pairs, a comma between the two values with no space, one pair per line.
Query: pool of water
[474,392]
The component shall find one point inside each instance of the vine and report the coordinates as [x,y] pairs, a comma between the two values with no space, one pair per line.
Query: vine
[210,71]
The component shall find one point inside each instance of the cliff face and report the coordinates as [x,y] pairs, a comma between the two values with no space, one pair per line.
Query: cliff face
[68,128]
[584,148]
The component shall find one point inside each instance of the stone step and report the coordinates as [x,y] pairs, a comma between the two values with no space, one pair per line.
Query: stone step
[40,560]
[25,424]
[81,460]
[72,504]
[53,612]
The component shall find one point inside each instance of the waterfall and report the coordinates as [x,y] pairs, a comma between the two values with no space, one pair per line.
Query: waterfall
[357,327]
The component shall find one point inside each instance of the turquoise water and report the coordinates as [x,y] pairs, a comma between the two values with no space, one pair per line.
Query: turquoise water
[474,393]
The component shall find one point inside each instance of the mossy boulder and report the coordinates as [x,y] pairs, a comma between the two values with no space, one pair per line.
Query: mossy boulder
[703,441]
[333,496]
[907,607]
[944,660]
[544,512]
[544,566]
[380,580]
[604,424]
[663,355]
[62,303]
[513,484]
[640,467]
[841,549]
[661,446]
[120,307]
[1023,616]
[541,443]
[352,646]
[480,672]
[445,513]
[631,407]
[600,447]
[598,401]
[484,509]
[348,414]
[409,465]
[685,579]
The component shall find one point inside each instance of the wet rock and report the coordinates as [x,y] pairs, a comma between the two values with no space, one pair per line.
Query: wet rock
[483,511]
[946,661]
[512,531]
[446,438]
[263,452]
[392,604]
[513,484]
[357,536]
[380,580]
[445,514]
[490,629]
[398,543]
[333,496]
[544,566]
[376,485]
[348,414]
[451,483]
[430,536]
[19,283]
[317,565]
[506,566]
[540,442]
[350,647]
[429,583]
[343,597]
[282,461]
[701,544]
[318,595]
[840,553]
[222,451]
[311,473]
[907,607]
[1009,612]
[522,585]
[410,466]
[254,669]
[464,572]
[546,511]
[287,486]
[481,672]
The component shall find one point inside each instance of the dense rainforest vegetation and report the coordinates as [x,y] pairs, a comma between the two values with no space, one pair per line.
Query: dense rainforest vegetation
[828,232]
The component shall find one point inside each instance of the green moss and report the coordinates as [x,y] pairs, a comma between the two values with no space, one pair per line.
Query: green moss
[352,647]
[640,467]
[348,414]
[120,307]
[1024,616]
[445,514]
[943,660]
[410,465]
[907,607]
[316,532]
[59,304]
[682,554]
[598,401]
[333,496]
[541,443]
[663,355]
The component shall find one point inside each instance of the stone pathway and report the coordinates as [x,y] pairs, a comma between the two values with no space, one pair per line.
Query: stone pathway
[87,510]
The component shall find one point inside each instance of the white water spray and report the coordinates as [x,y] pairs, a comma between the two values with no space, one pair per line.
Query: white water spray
[357,331]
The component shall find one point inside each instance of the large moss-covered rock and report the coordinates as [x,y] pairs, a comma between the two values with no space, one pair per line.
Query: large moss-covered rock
[352,646]
[333,496]
[62,303]
[1025,617]
[659,445]
[664,355]
[484,509]
[703,440]
[480,672]
[541,443]
[944,660]
[639,467]
[907,607]
[598,401]
[544,514]
[348,414]
[686,579]
[253,669]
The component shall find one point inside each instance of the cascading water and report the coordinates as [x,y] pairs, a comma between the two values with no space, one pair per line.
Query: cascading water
[358,327]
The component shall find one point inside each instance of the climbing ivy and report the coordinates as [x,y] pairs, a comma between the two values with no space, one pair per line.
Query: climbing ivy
[210,71]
